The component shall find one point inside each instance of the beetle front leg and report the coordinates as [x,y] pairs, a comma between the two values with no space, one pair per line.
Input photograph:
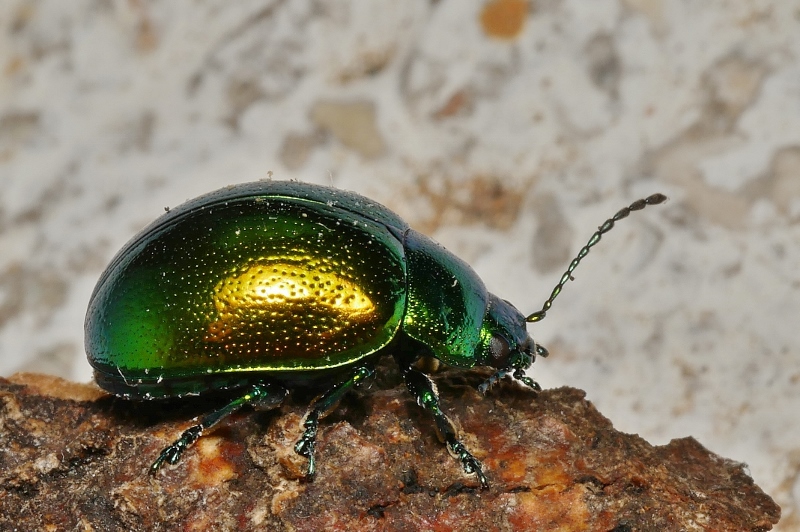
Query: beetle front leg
[424,391]
[264,395]
[517,374]
[519,362]
[322,406]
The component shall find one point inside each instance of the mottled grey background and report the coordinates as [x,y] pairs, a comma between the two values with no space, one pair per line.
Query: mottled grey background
[507,130]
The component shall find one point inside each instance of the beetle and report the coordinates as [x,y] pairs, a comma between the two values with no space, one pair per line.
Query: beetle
[268,287]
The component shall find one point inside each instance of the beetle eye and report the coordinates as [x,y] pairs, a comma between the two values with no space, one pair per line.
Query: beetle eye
[499,348]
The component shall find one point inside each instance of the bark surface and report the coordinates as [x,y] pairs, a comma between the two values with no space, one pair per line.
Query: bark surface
[74,458]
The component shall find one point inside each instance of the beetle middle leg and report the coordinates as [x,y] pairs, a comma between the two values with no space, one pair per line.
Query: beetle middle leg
[264,395]
[322,406]
[424,391]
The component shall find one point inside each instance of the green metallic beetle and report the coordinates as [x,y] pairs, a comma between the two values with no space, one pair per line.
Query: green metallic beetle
[268,287]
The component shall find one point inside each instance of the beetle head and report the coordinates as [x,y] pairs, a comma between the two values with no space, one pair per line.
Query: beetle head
[506,343]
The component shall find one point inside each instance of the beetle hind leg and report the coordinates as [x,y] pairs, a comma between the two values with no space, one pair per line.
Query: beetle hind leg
[265,395]
[321,407]
[424,391]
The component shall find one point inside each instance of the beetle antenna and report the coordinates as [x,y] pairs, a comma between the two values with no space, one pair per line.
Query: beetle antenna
[655,199]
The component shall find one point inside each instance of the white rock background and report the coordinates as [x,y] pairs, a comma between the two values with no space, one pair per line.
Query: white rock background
[508,131]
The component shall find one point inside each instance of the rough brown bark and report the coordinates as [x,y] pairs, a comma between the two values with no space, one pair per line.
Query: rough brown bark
[73,458]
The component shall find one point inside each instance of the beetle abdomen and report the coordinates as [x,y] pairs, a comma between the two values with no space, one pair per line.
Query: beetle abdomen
[249,284]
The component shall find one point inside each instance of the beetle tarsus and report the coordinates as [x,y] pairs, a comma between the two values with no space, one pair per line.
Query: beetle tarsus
[172,453]
[306,445]
[470,464]
[321,406]
[527,381]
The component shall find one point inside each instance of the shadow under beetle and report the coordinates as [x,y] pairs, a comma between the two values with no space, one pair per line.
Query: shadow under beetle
[273,286]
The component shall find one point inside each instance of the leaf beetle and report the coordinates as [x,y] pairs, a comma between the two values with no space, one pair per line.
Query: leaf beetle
[267,287]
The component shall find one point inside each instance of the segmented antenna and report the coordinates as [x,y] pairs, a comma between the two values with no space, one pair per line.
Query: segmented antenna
[655,199]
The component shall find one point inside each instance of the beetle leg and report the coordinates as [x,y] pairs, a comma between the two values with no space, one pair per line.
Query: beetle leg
[519,374]
[424,391]
[321,407]
[516,373]
[263,394]
[496,377]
